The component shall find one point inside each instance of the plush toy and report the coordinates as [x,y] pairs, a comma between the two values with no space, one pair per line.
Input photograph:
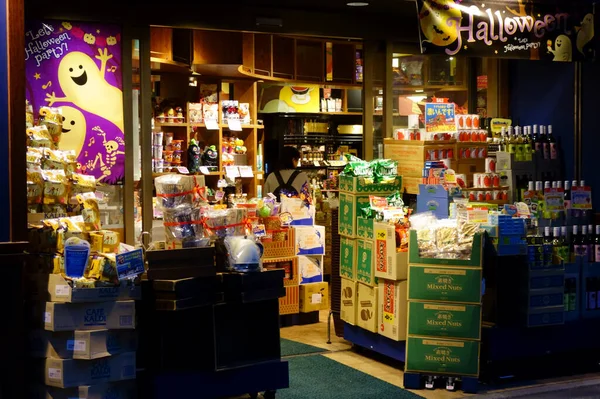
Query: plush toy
[193,156]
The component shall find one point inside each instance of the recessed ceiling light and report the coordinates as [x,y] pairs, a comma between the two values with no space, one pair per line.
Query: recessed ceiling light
[357,3]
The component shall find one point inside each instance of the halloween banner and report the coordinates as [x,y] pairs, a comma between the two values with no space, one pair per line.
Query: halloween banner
[556,31]
[77,67]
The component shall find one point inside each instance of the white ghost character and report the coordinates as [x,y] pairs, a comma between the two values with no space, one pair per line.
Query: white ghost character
[585,32]
[562,50]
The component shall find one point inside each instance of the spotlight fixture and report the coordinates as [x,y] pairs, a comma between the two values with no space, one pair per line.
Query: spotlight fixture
[357,3]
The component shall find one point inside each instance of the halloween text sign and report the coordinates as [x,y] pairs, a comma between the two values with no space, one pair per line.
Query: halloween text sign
[77,67]
[510,29]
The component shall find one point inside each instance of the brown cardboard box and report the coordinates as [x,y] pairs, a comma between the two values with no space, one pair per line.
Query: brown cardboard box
[59,290]
[85,345]
[66,373]
[314,296]
[366,307]
[389,264]
[114,390]
[348,308]
[290,303]
[89,316]
[392,307]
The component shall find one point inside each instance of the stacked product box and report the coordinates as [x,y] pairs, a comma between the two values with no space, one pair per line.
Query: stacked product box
[390,273]
[310,249]
[357,260]
[86,341]
[444,312]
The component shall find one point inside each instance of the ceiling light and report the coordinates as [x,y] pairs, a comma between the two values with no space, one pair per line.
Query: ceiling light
[357,4]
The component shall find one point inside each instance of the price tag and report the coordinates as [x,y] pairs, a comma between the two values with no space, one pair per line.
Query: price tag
[211,124]
[316,298]
[234,125]
[204,170]
[232,172]
[183,170]
[61,290]
[130,264]
[246,171]
[259,230]
[219,195]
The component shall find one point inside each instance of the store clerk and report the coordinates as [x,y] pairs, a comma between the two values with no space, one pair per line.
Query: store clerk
[286,179]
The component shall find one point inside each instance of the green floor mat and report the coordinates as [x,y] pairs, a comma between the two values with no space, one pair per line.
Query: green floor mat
[319,377]
[293,348]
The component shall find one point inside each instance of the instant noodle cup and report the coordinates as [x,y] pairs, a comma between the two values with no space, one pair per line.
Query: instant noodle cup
[474,136]
[481,196]
[168,138]
[460,121]
[177,145]
[495,179]
[472,196]
[489,195]
[477,180]
[483,136]
[487,180]
[490,165]
[469,121]
[473,152]
[475,121]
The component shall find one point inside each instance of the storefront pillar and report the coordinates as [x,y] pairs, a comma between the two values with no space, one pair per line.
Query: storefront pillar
[13,212]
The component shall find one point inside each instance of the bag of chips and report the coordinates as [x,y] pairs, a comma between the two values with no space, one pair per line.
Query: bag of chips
[52,118]
[56,188]
[39,137]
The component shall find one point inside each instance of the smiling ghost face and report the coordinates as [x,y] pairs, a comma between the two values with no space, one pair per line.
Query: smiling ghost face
[76,71]
[440,20]
[74,130]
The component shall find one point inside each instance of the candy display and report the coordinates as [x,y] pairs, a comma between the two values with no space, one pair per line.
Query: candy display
[376,171]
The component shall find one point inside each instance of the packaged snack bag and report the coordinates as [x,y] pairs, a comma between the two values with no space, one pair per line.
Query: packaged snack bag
[56,188]
[35,185]
[83,183]
[39,137]
[53,160]
[52,118]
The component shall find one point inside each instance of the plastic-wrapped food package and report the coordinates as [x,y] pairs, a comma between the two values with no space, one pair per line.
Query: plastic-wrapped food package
[175,190]
[184,224]
[225,222]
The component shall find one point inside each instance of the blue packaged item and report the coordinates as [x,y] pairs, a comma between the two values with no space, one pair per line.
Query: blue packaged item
[77,255]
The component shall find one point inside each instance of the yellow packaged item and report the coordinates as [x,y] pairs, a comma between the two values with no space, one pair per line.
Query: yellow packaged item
[104,268]
[96,241]
[54,160]
[110,241]
[83,183]
[55,187]
[52,118]
[35,185]
[70,163]
[29,120]
[34,157]
[39,137]
[90,212]
[59,264]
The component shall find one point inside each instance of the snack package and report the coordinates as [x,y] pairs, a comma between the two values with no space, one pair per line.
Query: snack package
[70,160]
[39,137]
[34,157]
[56,188]
[83,183]
[54,160]
[210,112]
[175,190]
[90,212]
[104,268]
[52,118]
[384,170]
[35,185]
[29,120]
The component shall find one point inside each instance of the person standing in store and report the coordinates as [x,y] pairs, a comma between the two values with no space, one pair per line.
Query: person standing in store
[286,179]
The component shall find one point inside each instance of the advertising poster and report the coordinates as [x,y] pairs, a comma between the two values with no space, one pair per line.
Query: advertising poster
[439,118]
[289,98]
[77,67]
[536,30]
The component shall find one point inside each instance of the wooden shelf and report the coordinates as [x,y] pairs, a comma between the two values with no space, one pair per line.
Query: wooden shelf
[342,113]
[170,124]
[226,126]
[486,188]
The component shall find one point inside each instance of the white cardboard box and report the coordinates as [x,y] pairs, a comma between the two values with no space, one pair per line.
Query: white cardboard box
[310,269]
[310,240]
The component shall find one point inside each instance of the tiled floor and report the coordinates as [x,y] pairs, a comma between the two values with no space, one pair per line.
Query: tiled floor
[341,351]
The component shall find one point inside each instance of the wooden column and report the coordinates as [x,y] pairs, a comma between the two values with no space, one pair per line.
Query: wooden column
[370,49]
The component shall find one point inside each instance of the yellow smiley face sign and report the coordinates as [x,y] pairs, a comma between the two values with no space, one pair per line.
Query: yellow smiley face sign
[440,20]
[74,130]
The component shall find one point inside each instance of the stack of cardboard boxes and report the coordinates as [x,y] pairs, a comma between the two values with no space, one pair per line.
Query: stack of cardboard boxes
[444,313]
[361,291]
[86,340]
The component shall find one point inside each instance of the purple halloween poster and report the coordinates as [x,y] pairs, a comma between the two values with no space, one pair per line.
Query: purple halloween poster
[77,67]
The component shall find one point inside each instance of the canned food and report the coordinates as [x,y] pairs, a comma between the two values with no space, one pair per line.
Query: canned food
[489,195]
[495,179]
[475,121]
[490,165]
[481,196]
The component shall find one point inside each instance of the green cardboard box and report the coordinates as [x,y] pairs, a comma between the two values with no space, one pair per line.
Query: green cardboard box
[438,355]
[348,249]
[365,271]
[357,185]
[446,284]
[475,261]
[364,228]
[444,320]
[349,211]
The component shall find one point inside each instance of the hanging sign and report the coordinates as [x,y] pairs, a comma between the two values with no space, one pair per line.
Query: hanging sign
[439,117]
[560,31]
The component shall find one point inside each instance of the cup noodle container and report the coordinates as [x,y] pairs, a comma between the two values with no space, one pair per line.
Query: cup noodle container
[495,179]
[475,121]
[490,165]
[461,123]
[157,138]
[482,180]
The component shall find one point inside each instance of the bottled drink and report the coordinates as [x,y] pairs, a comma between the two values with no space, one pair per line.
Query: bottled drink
[544,141]
[547,184]
[567,194]
[552,145]
[547,237]
[556,244]
[520,143]
[589,243]
[512,143]
[574,244]
[564,246]
[597,244]
[581,183]
[503,140]
[582,246]
[559,184]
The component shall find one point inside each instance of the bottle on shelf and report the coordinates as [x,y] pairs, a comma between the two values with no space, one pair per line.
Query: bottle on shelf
[597,244]
[556,244]
[527,145]
[511,139]
[537,144]
[519,144]
[503,140]
[565,252]
[574,242]
[583,243]
[552,145]
[589,242]
[545,144]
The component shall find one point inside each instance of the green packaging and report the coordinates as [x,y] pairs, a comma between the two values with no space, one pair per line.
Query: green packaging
[365,272]
[348,249]
[440,355]
[350,209]
[364,228]
[360,185]
[444,320]
[446,284]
